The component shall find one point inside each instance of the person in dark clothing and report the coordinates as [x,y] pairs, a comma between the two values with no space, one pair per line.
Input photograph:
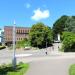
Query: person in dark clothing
[46,52]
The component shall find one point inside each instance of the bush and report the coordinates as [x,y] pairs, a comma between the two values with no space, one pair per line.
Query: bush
[22,43]
[68,42]
[9,70]
[2,47]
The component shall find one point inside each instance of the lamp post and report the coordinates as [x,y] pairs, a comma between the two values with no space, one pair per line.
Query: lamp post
[46,41]
[46,46]
[14,40]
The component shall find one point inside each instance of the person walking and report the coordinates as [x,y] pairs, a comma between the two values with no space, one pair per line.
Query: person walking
[53,48]
[46,53]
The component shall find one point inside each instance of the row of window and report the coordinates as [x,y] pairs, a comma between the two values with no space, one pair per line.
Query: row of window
[8,33]
[9,39]
[22,31]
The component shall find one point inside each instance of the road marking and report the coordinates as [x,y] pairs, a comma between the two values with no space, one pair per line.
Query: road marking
[23,55]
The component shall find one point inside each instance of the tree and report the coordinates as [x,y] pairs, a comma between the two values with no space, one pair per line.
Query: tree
[70,24]
[59,25]
[68,42]
[40,35]
[65,23]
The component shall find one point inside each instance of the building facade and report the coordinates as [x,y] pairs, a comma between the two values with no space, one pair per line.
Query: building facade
[2,36]
[21,33]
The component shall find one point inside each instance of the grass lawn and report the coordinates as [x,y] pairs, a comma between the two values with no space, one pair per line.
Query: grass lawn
[72,70]
[8,69]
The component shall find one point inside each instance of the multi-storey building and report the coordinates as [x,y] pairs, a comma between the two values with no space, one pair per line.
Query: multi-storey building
[21,33]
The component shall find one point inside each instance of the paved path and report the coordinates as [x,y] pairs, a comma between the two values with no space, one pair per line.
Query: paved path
[55,64]
[51,66]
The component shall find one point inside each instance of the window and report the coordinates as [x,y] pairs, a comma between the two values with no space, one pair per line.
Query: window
[23,31]
[20,31]
[17,31]
[21,38]
[17,38]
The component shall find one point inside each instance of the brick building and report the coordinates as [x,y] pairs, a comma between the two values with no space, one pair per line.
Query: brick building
[21,33]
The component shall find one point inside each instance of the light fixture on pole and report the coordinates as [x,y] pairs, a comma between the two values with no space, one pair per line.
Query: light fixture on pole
[14,48]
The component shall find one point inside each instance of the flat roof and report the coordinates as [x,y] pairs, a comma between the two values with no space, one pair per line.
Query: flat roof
[16,27]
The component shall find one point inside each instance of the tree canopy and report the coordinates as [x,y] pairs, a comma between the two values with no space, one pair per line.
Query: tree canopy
[64,23]
[68,41]
[59,25]
[40,35]
[70,24]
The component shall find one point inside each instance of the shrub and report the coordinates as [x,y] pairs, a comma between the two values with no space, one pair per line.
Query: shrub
[68,42]
[9,70]
[2,47]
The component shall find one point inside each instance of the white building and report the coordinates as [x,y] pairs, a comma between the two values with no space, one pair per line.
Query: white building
[59,37]
[2,36]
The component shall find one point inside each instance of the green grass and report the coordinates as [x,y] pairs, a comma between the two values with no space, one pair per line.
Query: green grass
[9,70]
[72,70]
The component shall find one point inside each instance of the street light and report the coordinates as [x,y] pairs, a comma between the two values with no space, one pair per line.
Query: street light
[14,40]
[46,46]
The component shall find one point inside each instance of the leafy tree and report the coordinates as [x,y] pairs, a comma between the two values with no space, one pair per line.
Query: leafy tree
[65,23]
[70,24]
[59,25]
[40,35]
[68,42]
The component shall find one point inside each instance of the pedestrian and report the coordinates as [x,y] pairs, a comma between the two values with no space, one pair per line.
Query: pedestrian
[46,52]
[58,47]
[53,48]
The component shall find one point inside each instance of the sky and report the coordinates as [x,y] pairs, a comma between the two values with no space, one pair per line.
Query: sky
[29,12]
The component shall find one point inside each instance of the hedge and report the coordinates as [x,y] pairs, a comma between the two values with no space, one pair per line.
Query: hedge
[2,47]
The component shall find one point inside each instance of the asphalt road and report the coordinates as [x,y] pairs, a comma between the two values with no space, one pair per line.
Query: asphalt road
[54,63]
[51,66]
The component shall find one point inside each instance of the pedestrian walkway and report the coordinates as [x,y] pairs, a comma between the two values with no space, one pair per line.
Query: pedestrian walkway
[57,63]
[55,66]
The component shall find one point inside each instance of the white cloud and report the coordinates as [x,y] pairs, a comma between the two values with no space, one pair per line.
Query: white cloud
[28,5]
[39,14]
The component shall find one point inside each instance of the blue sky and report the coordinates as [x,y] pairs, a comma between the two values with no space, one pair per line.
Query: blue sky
[28,12]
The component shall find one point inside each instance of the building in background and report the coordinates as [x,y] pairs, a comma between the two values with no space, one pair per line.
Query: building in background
[57,38]
[2,36]
[21,33]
